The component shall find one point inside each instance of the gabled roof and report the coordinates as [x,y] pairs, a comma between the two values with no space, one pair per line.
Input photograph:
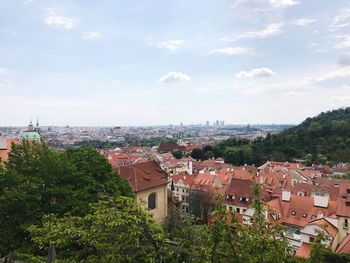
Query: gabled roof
[343,208]
[184,177]
[165,147]
[344,246]
[240,187]
[206,178]
[326,225]
[144,175]
[309,188]
[300,210]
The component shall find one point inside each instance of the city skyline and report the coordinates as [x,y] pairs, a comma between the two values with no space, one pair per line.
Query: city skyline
[143,63]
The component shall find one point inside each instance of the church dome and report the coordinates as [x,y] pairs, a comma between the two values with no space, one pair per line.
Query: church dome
[30,135]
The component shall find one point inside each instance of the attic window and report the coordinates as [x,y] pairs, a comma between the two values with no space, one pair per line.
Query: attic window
[293,213]
[304,215]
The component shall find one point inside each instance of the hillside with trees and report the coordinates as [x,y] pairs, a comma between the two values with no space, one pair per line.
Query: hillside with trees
[322,139]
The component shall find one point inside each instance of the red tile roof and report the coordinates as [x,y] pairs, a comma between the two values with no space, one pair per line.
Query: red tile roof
[184,177]
[300,210]
[308,188]
[144,175]
[344,246]
[343,208]
[165,147]
[326,225]
[4,151]
[304,251]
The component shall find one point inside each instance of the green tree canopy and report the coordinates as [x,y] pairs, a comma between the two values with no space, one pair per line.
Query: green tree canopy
[116,230]
[38,181]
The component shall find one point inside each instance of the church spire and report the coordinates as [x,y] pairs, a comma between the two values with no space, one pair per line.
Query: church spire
[30,126]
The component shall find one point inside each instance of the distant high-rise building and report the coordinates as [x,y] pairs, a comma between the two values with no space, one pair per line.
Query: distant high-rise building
[207,123]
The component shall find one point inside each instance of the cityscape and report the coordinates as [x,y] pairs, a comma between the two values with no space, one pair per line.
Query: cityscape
[175,131]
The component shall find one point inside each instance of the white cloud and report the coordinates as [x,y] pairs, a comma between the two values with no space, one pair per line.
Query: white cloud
[344,59]
[337,74]
[4,71]
[269,31]
[340,98]
[234,51]
[340,21]
[27,2]
[171,45]
[343,41]
[54,19]
[174,77]
[256,73]
[264,4]
[303,21]
[91,36]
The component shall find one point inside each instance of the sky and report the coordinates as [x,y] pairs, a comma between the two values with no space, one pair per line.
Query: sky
[149,62]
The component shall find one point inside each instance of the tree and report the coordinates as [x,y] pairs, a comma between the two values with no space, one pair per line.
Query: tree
[38,181]
[197,154]
[178,154]
[115,230]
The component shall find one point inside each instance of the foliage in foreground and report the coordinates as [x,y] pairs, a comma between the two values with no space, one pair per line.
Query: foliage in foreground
[37,181]
[116,230]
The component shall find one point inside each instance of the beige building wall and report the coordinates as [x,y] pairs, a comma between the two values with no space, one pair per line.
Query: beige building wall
[161,210]
[343,232]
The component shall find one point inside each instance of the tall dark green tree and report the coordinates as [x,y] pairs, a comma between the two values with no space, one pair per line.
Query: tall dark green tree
[38,181]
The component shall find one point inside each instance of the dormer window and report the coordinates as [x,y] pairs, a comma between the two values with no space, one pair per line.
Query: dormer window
[293,213]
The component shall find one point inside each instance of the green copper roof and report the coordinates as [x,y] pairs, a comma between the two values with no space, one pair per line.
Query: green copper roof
[30,135]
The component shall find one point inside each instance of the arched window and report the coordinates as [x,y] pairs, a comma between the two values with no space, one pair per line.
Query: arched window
[152,198]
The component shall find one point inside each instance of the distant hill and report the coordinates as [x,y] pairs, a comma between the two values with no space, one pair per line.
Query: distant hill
[321,139]
[327,134]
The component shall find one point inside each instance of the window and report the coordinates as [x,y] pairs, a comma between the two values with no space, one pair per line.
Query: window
[244,210]
[293,213]
[304,215]
[346,223]
[230,208]
[294,182]
[238,210]
[312,239]
[152,201]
